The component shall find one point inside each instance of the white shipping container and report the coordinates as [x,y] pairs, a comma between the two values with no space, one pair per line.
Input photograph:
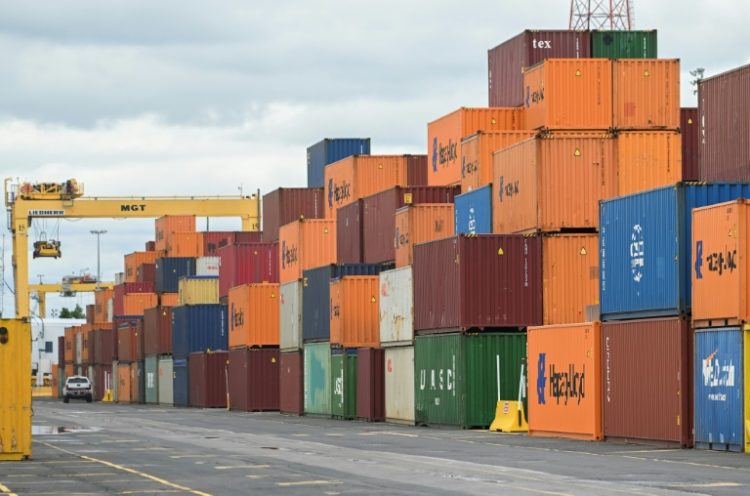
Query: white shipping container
[166,388]
[110,309]
[79,349]
[399,384]
[207,266]
[290,316]
[119,277]
[396,307]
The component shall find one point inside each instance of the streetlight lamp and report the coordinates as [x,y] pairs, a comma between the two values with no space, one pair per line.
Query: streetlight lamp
[98,256]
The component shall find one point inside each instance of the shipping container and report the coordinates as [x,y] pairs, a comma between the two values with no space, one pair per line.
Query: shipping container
[355,311]
[349,232]
[399,384]
[180,382]
[169,299]
[473,211]
[135,260]
[624,44]
[103,380]
[137,303]
[186,244]
[444,137]
[371,384]
[253,379]
[254,315]
[213,240]
[115,379]
[344,383]
[208,379]
[647,380]
[90,310]
[102,299]
[290,316]
[507,61]
[168,224]
[150,246]
[416,170]
[137,383]
[645,248]
[198,290]
[305,244]
[291,384]
[456,376]
[419,224]
[647,160]
[123,394]
[135,321]
[326,152]
[476,155]
[284,205]
[721,413]
[646,93]
[207,266]
[198,328]
[130,340]
[170,270]
[690,136]
[565,369]
[723,108]
[120,290]
[397,307]
[553,184]
[146,273]
[478,282]
[157,331]
[247,263]
[166,381]
[379,212]
[719,275]
[317,379]
[571,277]
[151,379]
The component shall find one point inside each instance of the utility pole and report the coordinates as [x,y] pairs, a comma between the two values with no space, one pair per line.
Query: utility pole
[98,256]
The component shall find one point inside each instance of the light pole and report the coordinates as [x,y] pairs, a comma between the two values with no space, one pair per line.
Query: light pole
[98,256]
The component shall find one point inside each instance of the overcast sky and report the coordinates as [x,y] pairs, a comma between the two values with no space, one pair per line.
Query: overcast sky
[202,98]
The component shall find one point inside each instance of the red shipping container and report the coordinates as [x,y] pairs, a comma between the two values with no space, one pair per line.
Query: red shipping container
[416,170]
[291,386]
[247,263]
[690,134]
[102,379]
[120,290]
[378,214]
[286,205]
[157,331]
[371,384]
[478,282]
[349,232]
[61,350]
[208,380]
[125,323]
[104,350]
[213,240]
[146,273]
[90,311]
[253,377]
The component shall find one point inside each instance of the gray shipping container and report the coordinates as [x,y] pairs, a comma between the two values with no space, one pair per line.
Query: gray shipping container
[151,381]
[165,380]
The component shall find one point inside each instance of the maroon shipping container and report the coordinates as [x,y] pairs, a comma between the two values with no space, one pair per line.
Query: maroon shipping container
[213,240]
[286,205]
[146,273]
[724,112]
[102,379]
[647,380]
[291,386]
[137,385]
[130,340]
[150,245]
[253,376]
[477,282]
[120,290]
[157,331]
[506,61]
[90,310]
[371,384]
[61,350]
[247,263]
[349,248]
[103,348]
[208,380]
[379,221]
[416,170]
[690,134]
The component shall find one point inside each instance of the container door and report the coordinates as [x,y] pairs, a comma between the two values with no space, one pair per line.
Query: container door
[337,385]
[15,390]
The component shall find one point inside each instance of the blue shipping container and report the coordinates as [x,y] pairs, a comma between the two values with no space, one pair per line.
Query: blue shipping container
[181,382]
[719,389]
[169,270]
[328,151]
[198,328]
[645,248]
[316,296]
[474,211]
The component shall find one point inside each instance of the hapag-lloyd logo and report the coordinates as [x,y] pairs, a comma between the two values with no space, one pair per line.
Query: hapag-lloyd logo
[338,193]
[443,154]
[288,255]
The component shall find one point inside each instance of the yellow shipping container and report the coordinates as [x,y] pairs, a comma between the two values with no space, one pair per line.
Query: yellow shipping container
[15,390]
[198,290]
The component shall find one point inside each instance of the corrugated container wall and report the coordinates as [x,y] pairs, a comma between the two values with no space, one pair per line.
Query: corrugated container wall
[349,232]
[476,155]
[208,386]
[285,205]
[724,113]
[102,297]
[186,244]
[157,331]
[473,211]
[399,384]
[354,315]
[181,382]
[253,379]
[651,398]
[165,226]
[444,137]
[305,244]
[137,383]
[419,224]
[290,316]
[146,273]
[207,266]
[291,384]
[416,170]
[396,307]
[565,366]
[571,277]
[137,303]
[136,259]
[647,160]
[198,328]
[481,281]
[214,240]
[690,135]
[569,94]
[507,61]
[151,379]
[166,379]
[646,94]
[317,367]
[120,290]
[328,151]
[254,315]
[645,248]
[104,350]
[123,383]
[170,270]
[343,383]
[169,299]
[198,290]
[247,263]
[371,384]
[624,44]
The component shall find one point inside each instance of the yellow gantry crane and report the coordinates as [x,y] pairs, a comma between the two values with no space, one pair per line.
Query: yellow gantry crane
[64,289]
[28,201]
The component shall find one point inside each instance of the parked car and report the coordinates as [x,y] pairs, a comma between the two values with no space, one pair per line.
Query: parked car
[79,387]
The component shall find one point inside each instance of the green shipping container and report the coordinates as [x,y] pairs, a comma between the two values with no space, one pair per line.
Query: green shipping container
[318,379]
[456,376]
[151,380]
[623,44]
[344,384]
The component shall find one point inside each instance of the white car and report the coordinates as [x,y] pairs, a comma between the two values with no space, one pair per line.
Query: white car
[78,386]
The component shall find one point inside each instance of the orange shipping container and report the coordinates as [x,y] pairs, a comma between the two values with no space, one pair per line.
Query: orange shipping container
[165,226]
[418,224]
[169,299]
[186,244]
[254,315]
[69,370]
[646,93]
[720,277]
[70,345]
[85,331]
[135,260]
[569,94]
[476,155]
[444,137]
[137,303]
[571,276]
[123,383]
[355,312]
[305,244]
[564,375]
[553,183]
[102,299]
[648,160]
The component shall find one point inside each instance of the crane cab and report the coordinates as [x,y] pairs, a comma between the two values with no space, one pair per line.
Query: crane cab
[67,190]
[47,249]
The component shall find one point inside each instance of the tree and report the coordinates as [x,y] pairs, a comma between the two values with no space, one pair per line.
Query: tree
[76,313]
